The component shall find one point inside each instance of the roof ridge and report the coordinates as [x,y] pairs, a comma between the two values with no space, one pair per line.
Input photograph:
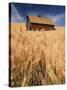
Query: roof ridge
[42,20]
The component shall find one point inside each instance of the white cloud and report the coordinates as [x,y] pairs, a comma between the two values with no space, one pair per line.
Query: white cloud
[56,18]
[15,16]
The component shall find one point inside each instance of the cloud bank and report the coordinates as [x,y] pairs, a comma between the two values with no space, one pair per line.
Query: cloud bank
[15,16]
[56,18]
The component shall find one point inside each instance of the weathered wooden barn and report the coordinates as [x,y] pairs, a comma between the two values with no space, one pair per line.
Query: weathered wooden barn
[39,23]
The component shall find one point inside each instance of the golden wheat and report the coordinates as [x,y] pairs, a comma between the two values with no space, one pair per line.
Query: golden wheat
[37,57]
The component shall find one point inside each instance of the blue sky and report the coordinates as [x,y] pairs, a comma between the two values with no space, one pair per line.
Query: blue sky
[19,11]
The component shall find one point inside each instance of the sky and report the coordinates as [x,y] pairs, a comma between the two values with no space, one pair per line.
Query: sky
[18,12]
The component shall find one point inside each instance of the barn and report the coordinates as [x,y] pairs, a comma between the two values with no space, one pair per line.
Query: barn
[39,23]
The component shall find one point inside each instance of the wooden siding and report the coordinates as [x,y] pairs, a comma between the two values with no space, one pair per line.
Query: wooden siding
[41,27]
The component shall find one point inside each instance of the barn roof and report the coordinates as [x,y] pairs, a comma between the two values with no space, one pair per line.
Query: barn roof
[40,20]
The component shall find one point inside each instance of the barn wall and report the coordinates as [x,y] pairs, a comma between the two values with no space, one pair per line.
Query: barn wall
[28,24]
[40,26]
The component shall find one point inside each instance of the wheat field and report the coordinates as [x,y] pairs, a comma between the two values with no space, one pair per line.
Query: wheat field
[37,58]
